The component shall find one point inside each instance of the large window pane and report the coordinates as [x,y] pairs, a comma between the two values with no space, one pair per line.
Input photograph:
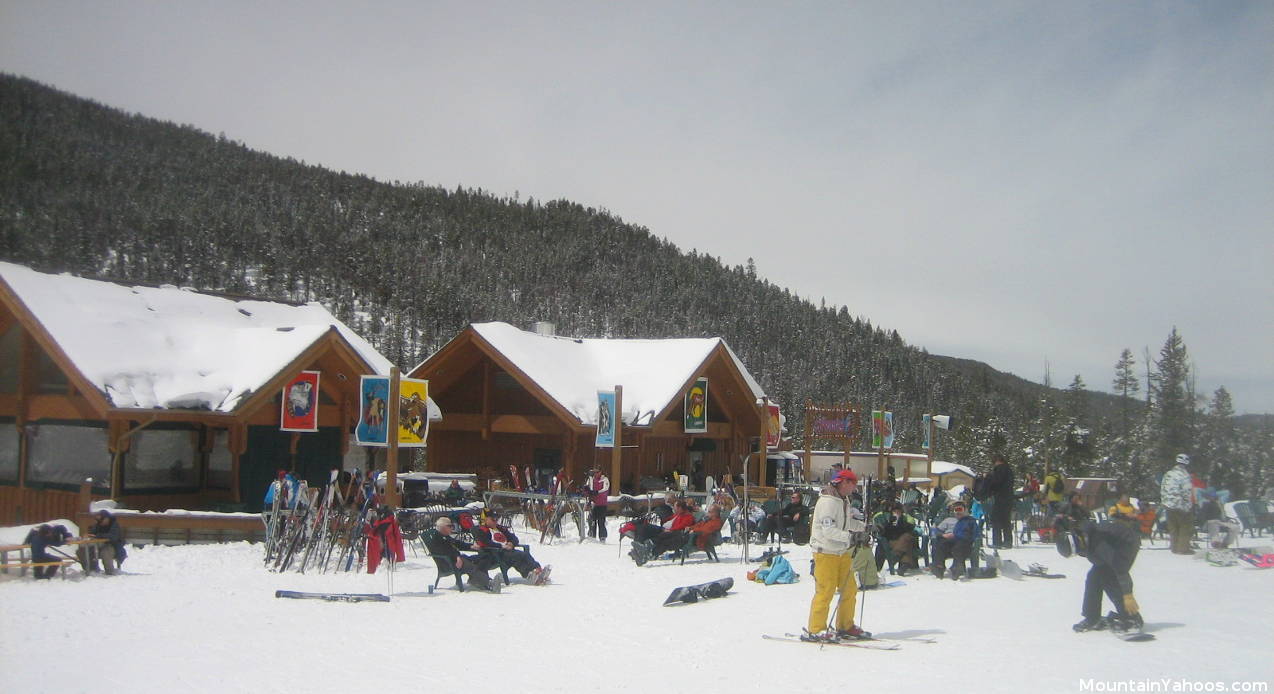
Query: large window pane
[161,459]
[64,454]
[8,451]
[10,351]
[220,461]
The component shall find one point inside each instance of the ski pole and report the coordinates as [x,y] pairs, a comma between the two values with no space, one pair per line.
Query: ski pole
[862,603]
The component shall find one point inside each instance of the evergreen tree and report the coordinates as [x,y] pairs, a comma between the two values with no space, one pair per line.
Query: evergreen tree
[1171,405]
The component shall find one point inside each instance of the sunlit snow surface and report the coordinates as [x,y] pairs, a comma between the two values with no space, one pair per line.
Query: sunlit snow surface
[204,619]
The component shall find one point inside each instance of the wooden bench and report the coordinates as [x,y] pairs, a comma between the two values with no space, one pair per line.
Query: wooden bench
[61,563]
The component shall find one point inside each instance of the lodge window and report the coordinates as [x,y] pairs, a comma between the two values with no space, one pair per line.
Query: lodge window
[220,460]
[162,457]
[10,358]
[51,379]
[64,455]
[9,452]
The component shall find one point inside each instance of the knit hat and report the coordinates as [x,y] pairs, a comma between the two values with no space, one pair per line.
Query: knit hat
[844,475]
[1183,459]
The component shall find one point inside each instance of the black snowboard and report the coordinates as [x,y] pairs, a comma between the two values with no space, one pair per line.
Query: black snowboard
[705,591]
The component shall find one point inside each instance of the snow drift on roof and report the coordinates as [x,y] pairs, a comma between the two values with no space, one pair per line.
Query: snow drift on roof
[942,467]
[173,348]
[572,370]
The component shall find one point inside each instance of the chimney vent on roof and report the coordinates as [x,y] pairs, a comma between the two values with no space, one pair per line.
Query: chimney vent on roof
[544,328]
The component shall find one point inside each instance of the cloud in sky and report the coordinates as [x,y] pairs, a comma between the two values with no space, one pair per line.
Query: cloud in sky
[1006,182]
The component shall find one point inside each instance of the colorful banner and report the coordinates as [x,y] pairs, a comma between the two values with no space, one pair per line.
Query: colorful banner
[300,403]
[697,408]
[832,423]
[889,430]
[605,419]
[373,412]
[882,429]
[924,424]
[774,432]
[413,412]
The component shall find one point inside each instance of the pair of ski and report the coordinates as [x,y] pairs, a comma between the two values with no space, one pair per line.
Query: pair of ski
[872,643]
[332,597]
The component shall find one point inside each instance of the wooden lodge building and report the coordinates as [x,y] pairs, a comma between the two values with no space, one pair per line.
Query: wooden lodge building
[164,397]
[522,398]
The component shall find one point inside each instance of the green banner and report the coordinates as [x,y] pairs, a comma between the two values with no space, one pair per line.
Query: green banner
[697,407]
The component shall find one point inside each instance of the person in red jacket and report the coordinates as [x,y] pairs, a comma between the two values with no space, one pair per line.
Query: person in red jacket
[672,537]
[598,489]
[384,539]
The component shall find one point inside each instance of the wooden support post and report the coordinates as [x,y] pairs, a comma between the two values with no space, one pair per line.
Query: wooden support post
[762,450]
[617,451]
[391,438]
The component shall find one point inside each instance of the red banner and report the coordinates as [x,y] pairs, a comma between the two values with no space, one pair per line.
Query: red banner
[300,403]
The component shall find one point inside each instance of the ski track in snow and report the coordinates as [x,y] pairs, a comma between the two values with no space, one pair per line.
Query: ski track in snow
[204,619]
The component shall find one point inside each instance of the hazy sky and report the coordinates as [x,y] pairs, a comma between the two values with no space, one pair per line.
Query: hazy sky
[1020,184]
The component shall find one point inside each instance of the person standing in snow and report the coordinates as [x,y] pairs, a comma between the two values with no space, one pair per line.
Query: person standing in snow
[1054,491]
[832,534]
[598,488]
[1003,493]
[1176,494]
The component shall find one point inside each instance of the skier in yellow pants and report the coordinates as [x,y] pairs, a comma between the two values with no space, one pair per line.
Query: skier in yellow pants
[831,536]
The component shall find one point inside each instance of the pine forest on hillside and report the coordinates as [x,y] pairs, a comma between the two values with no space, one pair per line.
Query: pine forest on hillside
[97,192]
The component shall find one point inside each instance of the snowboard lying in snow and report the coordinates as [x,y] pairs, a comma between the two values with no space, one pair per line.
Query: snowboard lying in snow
[711,589]
[332,597]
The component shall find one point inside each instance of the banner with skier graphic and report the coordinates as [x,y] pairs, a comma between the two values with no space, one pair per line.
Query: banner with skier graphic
[373,412]
[300,403]
[413,412]
[697,407]
[605,419]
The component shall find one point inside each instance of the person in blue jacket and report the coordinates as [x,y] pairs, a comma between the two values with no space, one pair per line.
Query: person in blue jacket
[953,538]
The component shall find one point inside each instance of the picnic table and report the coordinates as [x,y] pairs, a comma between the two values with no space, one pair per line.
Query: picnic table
[24,562]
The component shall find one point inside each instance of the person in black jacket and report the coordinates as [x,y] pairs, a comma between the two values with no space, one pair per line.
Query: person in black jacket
[501,543]
[795,519]
[899,532]
[1002,494]
[41,538]
[106,527]
[1111,547]
[441,544]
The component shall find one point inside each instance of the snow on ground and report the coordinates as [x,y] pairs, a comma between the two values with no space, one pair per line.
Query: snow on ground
[204,618]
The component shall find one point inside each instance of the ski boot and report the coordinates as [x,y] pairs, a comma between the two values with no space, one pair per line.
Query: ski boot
[1125,623]
[1086,624]
[853,633]
[827,636]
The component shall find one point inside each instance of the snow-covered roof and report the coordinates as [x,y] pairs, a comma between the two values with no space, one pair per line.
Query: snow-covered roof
[572,370]
[942,467]
[173,348]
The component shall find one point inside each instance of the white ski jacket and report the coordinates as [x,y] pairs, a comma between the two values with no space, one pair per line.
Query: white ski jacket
[833,528]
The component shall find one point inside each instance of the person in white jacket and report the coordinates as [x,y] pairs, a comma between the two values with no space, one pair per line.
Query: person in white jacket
[831,536]
[1176,493]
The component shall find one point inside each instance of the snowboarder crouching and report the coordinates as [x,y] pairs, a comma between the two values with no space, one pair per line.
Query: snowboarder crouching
[1111,547]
